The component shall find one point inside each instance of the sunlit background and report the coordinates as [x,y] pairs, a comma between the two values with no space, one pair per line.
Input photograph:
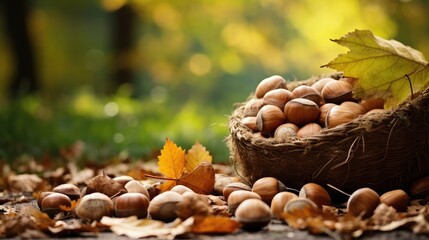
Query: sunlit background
[117,77]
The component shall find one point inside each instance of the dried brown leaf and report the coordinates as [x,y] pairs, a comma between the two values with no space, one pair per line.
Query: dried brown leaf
[24,183]
[214,224]
[104,184]
[201,180]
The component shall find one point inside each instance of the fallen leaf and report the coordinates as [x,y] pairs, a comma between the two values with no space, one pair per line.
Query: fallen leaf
[24,183]
[141,228]
[172,160]
[104,184]
[381,67]
[200,180]
[171,163]
[214,224]
[196,155]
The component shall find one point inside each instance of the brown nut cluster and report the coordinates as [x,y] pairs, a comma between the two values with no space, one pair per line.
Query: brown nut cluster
[327,103]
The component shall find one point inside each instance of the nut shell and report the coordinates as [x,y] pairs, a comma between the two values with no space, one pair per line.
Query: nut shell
[285,131]
[268,84]
[420,188]
[71,190]
[307,92]
[131,204]
[316,193]
[237,197]
[135,186]
[269,118]
[308,130]
[250,122]
[235,186]
[252,107]
[363,202]
[278,97]
[52,202]
[124,179]
[163,206]
[337,92]
[324,111]
[398,199]
[267,188]
[301,111]
[253,214]
[279,202]
[340,115]
[321,83]
[94,206]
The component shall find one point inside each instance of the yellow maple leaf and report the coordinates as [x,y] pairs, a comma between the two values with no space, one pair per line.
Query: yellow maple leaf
[196,155]
[172,160]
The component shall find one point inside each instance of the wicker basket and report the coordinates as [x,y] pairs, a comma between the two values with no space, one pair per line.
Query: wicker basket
[384,151]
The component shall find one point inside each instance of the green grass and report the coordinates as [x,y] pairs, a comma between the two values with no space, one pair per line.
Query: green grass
[109,128]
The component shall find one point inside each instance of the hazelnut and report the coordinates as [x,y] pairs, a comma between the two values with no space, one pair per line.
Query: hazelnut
[337,92]
[301,111]
[307,92]
[339,115]
[398,199]
[324,111]
[267,188]
[285,131]
[278,97]
[279,202]
[321,83]
[316,193]
[252,107]
[235,186]
[72,191]
[181,189]
[269,84]
[250,122]
[308,130]
[269,118]
[253,214]
[354,107]
[372,103]
[237,197]
[221,181]
[134,186]
[163,206]
[131,204]
[52,202]
[375,111]
[302,207]
[123,179]
[94,206]
[151,190]
[363,202]
[40,198]
[420,188]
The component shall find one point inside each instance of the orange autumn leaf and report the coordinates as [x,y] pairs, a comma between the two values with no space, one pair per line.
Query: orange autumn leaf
[196,155]
[214,224]
[69,208]
[200,180]
[172,160]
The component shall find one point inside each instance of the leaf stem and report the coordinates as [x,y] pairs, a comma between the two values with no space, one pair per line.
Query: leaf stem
[160,177]
[411,85]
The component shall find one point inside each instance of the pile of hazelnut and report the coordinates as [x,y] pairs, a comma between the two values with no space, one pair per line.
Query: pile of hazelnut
[277,112]
[253,206]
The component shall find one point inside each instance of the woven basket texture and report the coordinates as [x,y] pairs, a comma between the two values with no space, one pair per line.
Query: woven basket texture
[382,151]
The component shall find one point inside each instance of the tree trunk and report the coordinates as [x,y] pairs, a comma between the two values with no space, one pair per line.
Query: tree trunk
[24,79]
[123,26]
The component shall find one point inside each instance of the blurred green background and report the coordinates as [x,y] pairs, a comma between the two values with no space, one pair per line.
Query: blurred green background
[114,78]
